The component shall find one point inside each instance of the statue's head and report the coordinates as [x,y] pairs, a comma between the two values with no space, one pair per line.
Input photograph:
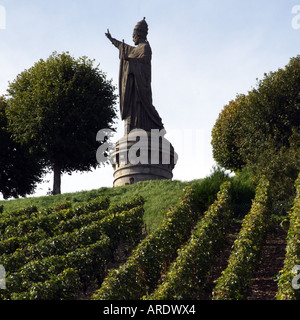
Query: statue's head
[140,32]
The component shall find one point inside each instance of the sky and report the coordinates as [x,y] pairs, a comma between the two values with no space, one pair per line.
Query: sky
[205,52]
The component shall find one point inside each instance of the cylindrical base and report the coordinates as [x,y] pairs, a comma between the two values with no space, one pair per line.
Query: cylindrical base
[135,173]
[142,156]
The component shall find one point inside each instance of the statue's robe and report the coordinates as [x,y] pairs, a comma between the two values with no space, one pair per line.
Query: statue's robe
[135,88]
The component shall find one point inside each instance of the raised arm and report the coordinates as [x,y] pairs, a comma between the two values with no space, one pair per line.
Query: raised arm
[115,42]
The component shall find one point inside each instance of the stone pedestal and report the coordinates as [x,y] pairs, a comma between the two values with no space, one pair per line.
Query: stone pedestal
[142,156]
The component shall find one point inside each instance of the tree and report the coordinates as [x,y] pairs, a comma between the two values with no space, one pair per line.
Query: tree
[267,122]
[56,109]
[20,171]
[273,111]
[226,135]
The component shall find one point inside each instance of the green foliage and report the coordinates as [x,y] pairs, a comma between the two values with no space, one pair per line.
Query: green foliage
[234,282]
[292,257]
[59,251]
[159,196]
[88,262]
[207,189]
[44,258]
[60,218]
[57,107]
[261,131]
[63,286]
[242,190]
[242,193]
[14,180]
[281,166]
[226,135]
[140,274]
[187,275]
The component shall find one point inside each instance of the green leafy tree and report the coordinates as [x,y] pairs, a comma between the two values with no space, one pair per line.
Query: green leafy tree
[226,135]
[20,171]
[261,131]
[273,111]
[56,109]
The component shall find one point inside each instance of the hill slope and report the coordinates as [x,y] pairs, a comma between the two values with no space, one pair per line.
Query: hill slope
[61,247]
[158,195]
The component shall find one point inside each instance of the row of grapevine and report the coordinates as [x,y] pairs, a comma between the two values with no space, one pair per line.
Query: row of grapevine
[59,266]
[142,271]
[50,222]
[18,231]
[20,213]
[13,219]
[286,290]
[88,263]
[58,252]
[83,236]
[187,275]
[47,219]
[235,280]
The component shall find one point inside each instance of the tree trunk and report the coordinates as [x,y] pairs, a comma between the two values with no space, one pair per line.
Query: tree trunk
[57,180]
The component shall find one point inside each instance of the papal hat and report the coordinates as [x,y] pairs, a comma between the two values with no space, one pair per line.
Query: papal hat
[142,27]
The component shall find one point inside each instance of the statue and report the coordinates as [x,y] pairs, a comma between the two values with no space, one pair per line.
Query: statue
[143,153]
[135,82]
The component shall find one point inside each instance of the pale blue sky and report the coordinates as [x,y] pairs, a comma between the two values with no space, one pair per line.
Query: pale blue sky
[204,53]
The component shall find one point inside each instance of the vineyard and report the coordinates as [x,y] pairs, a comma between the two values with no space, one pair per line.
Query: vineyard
[73,252]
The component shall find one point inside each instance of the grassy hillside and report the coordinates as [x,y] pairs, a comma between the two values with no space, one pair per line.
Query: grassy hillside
[159,196]
[95,249]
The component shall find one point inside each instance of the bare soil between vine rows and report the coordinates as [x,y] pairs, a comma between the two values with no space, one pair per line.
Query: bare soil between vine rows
[264,284]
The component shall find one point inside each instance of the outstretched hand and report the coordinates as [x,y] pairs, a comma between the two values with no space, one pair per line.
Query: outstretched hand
[108,35]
